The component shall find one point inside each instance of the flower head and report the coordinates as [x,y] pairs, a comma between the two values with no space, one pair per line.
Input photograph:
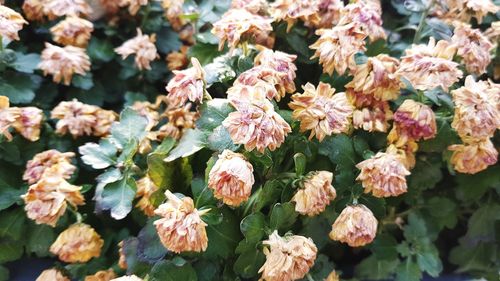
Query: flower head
[292,11]
[104,120]
[145,189]
[282,64]
[253,6]
[102,275]
[355,226]
[8,116]
[259,79]
[58,8]
[41,162]
[181,228]
[473,156]
[73,31]
[493,32]
[188,84]
[329,12]
[10,23]
[412,121]
[143,47]
[231,178]
[316,194]
[287,258]
[133,5]
[178,60]
[78,243]
[62,63]
[74,117]
[368,15]
[52,275]
[29,122]
[179,120]
[322,111]
[33,9]
[464,10]
[173,12]
[473,47]
[370,114]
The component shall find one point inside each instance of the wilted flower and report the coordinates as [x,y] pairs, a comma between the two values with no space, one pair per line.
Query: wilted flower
[52,275]
[188,84]
[316,194]
[127,278]
[33,9]
[370,114]
[292,11]
[473,47]
[321,111]
[287,258]
[122,259]
[259,79]
[282,64]
[62,63]
[179,120]
[78,243]
[173,12]
[473,156]
[104,120]
[102,275]
[111,6]
[231,178]
[412,121]
[178,60]
[368,15]
[493,32]
[240,25]
[253,6]
[72,31]
[133,5]
[58,8]
[429,66]
[383,175]
[356,225]
[329,12]
[148,110]
[145,189]
[74,117]
[333,276]
[181,229]
[337,46]
[8,115]
[10,23]
[36,167]
[143,47]
[464,10]
[29,122]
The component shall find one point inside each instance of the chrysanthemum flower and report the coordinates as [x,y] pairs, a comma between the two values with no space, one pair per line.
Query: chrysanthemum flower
[329,12]
[316,194]
[145,189]
[464,10]
[127,278]
[181,229]
[473,47]
[178,60]
[142,47]
[260,79]
[238,25]
[282,64]
[173,12]
[322,111]
[101,275]
[78,243]
[337,46]
[133,5]
[231,178]
[473,156]
[33,9]
[333,276]
[291,11]
[287,258]
[104,120]
[52,275]
[58,8]
[356,225]
[122,259]
[371,115]
[29,122]
[368,15]
[253,6]
[74,117]
[36,167]
[493,32]
[10,23]
[412,121]
[429,66]
[62,63]
[73,31]
[188,84]
[8,115]
[179,120]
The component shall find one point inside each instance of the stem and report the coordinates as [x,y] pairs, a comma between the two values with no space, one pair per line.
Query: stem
[421,24]
[309,277]
[1,43]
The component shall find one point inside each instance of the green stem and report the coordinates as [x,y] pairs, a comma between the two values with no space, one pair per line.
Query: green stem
[421,24]
[309,277]
[1,43]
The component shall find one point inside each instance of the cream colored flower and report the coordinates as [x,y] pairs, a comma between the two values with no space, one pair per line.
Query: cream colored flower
[356,225]
[62,63]
[370,114]
[473,156]
[473,47]
[133,5]
[29,122]
[464,10]
[412,121]
[322,111]
[127,278]
[36,167]
[179,120]
[231,178]
[74,117]
[102,275]
[52,275]
[145,189]
[329,12]
[291,11]
[368,15]
[104,120]
[142,47]
[315,195]
[429,66]
[73,31]
[259,79]
[8,116]
[337,46]
[11,22]
[283,66]
[493,32]
[59,8]
[188,84]
[253,6]
[238,25]
[33,9]
[180,227]
[384,175]
[78,243]
[287,258]
[173,12]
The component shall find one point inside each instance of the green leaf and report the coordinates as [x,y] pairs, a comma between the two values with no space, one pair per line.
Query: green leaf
[482,223]
[322,268]
[473,187]
[202,195]
[425,175]
[40,239]
[248,263]
[26,63]
[223,237]
[4,273]
[428,261]
[167,40]
[253,227]
[205,53]
[339,149]
[469,257]
[10,250]
[83,82]
[206,270]
[132,125]
[384,247]
[283,216]
[445,136]
[443,210]
[192,141]
[408,271]
[12,223]
[100,50]
[212,113]
[168,271]
[98,156]
[269,194]
[300,163]
[19,88]
[118,196]
[9,196]
[149,247]
[220,140]
[134,265]
[372,268]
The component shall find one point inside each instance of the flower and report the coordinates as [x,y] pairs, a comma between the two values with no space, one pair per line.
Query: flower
[145,189]
[337,46]
[253,6]
[142,46]
[104,121]
[62,63]
[127,278]
[74,117]
[493,32]
[8,115]
[178,60]
[41,162]
[316,194]
[181,229]
[368,15]
[33,9]
[261,79]
[58,8]
[102,275]
[291,11]
[283,66]
[429,66]
[29,122]
[383,175]
[473,47]
[111,7]
[473,156]
[377,77]
[412,121]
[173,12]
[231,178]
[122,259]
[287,258]
[52,275]
[477,112]
[179,120]
[188,84]
[464,10]
[10,23]
[240,25]
[321,111]
[355,226]
[333,276]
[72,31]
[370,114]
[329,12]
[78,243]
[133,5]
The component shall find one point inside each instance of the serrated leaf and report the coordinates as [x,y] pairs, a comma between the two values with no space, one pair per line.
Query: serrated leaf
[167,40]
[372,268]
[428,261]
[191,142]
[408,271]
[220,140]
[118,196]
[253,227]
[132,125]
[339,149]
[212,113]
[98,156]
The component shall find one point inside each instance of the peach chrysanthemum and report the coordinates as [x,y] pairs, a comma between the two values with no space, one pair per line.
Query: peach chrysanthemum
[493,32]
[74,117]
[180,227]
[260,79]
[145,189]
[287,258]
[133,5]
[370,114]
[253,6]
[329,12]
[142,47]
[78,243]
[473,156]
[464,10]
[178,60]
[58,8]
[291,11]
[128,278]
[29,122]
[173,12]
[8,115]
[62,63]
[282,64]
[73,31]
[188,84]
[104,120]
[429,66]
[322,111]
[52,275]
[356,225]
[10,23]
[368,15]
[333,276]
[33,9]
[179,120]
[231,178]
[102,275]
[122,259]
[473,47]
[384,175]
[36,167]
[238,25]
[316,194]
[337,46]
[412,121]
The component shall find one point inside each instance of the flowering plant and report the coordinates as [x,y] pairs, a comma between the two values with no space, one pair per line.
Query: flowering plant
[279,140]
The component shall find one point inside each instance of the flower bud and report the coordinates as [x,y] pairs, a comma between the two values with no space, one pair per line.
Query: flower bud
[316,194]
[78,243]
[355,226]
[473,156]
[52,275]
